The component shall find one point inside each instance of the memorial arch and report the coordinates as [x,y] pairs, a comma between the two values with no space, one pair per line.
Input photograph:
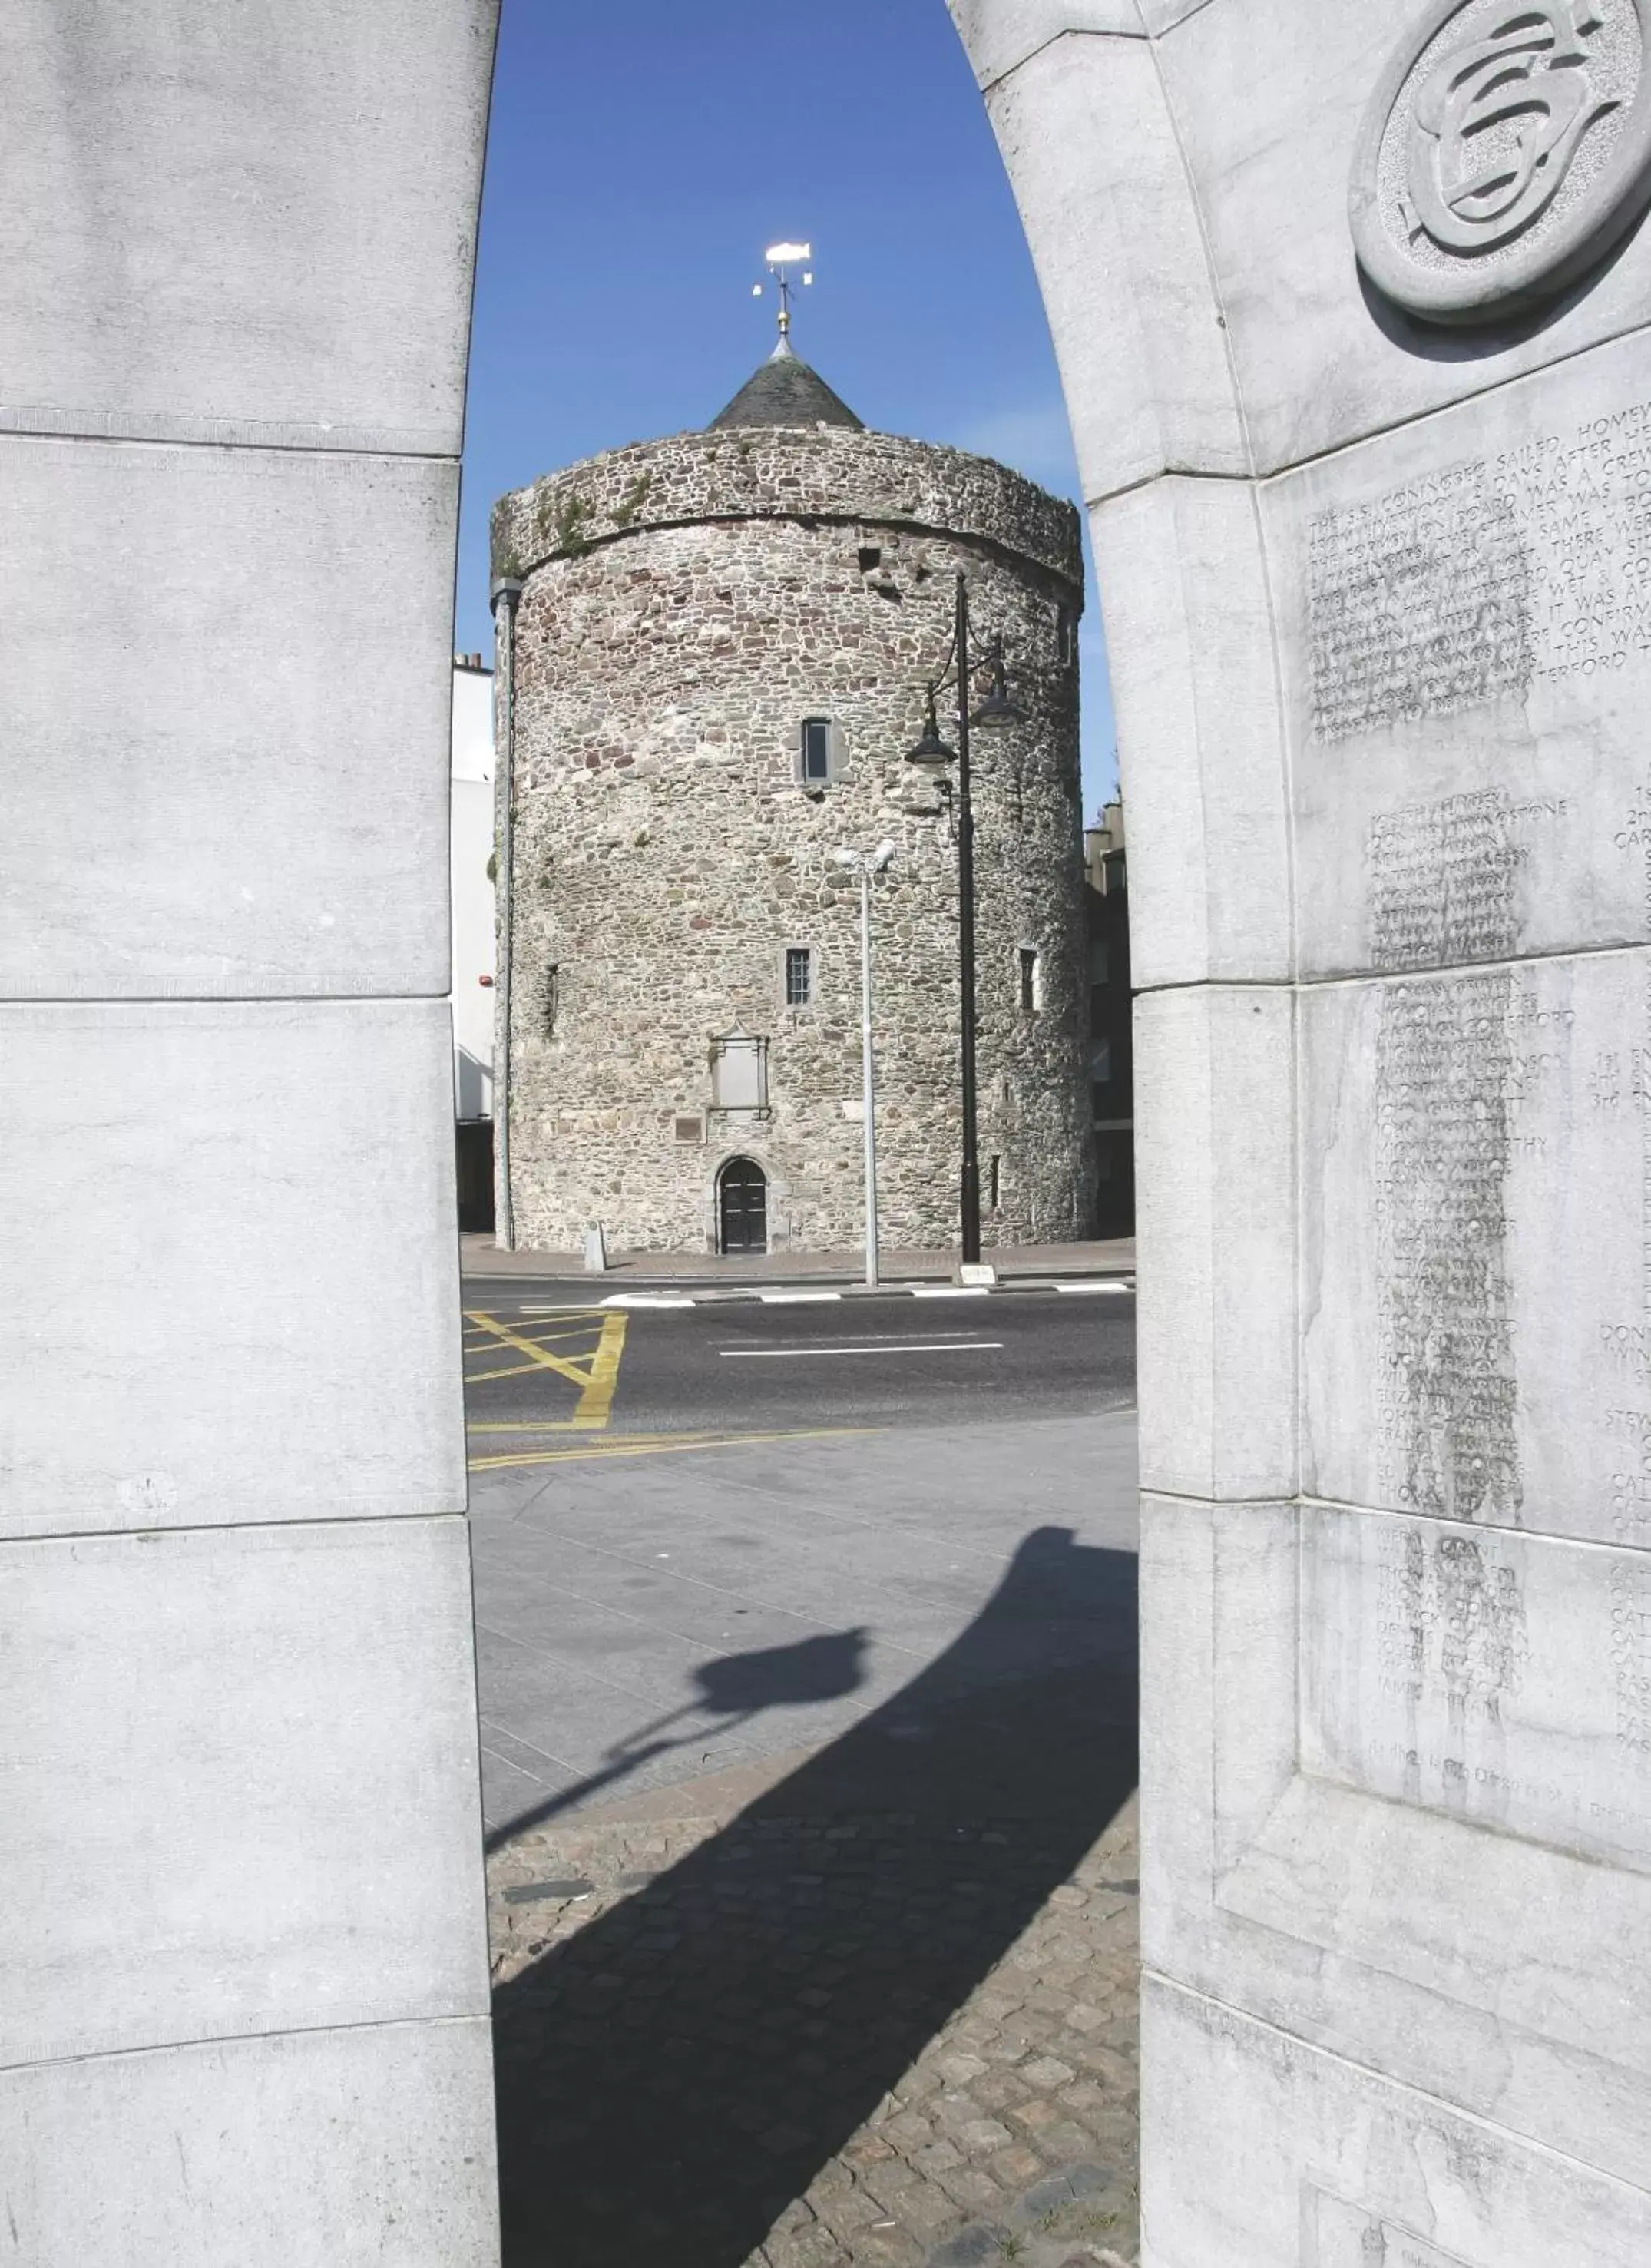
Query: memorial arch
[1365,438]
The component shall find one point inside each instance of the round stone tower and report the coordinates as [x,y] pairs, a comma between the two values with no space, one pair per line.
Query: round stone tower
[721,647]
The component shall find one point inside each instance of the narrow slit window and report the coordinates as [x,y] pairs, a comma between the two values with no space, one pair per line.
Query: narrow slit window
[1028,976]
[817,751]
[799,977]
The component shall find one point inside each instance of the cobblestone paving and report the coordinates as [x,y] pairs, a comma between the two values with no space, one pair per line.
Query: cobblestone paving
[812,2036]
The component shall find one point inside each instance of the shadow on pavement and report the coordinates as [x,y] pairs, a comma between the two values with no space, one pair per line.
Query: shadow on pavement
[731,1691]
[673,2075]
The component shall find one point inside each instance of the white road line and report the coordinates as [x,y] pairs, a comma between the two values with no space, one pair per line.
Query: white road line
[641,1300]
[1075,1288]
[870,1338]
[797,1298]
[813,1353]
[950,1291]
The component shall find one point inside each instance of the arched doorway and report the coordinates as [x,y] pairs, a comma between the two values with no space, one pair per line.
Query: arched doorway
[742,1207]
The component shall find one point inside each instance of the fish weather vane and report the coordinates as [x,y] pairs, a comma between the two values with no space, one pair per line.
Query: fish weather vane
[782,259]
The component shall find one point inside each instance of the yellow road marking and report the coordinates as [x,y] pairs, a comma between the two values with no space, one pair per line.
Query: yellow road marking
[631,1446]
[542,1338]
[545,1426]
[596,1381]
[515,1370]
[596,1404]
[616,1442]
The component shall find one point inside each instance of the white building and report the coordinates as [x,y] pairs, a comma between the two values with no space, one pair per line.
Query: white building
[471,872]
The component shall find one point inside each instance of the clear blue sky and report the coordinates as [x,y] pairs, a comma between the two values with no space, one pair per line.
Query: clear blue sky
[644,152]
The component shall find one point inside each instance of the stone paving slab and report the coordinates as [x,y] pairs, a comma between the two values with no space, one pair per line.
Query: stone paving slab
[923,1566]
[788,2033]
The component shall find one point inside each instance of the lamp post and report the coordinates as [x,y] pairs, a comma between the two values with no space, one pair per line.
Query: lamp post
[506,597]
[866,863]
[996,709]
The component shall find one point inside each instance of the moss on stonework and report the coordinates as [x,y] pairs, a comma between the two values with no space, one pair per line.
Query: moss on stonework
[570,524]
[633,500]
[505,562]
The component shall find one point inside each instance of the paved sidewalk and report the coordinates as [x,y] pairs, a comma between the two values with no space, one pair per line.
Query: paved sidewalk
[691,2010]
[649,1621]
[479,1256]
[813,1851]
[871,2004]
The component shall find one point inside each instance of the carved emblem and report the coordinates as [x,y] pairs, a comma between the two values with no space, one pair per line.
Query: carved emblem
[1532,76]
[1507,147]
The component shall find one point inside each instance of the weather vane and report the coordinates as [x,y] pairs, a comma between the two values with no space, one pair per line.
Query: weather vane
[781,258]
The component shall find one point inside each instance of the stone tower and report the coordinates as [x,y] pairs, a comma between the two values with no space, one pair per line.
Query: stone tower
[718,662]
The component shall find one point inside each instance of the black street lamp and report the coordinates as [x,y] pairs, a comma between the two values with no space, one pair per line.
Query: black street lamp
[996,709]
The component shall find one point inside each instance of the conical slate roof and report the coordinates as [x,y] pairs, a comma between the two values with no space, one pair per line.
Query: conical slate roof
[784,391]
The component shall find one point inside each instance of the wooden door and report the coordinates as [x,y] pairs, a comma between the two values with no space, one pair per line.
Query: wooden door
[745,1207]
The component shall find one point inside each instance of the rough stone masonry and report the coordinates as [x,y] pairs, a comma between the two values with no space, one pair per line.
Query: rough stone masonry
[689,604]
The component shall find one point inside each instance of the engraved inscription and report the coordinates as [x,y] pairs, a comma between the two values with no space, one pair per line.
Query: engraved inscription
[1441,877]
[1418,605]
[1634,837]
[1433,1662]
[1484,581]
[1582,502]
[1618,1085]
[1448,1078]
[1448,1386]
[1631,1652]
[1450,1621]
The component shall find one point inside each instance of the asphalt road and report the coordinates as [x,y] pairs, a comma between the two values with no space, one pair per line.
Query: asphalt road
[536,1362]
[709,1539]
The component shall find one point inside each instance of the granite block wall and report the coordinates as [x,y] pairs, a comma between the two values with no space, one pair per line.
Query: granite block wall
[1350,308]
[245,2015]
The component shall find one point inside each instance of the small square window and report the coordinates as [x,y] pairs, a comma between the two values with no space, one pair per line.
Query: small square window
[817,751]
[1028,977]
[799,977]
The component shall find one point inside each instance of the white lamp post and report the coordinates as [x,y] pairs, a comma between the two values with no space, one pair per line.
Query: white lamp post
[866,863]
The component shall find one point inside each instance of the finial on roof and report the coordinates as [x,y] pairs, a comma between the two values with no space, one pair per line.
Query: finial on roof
[781,258]
[783,390]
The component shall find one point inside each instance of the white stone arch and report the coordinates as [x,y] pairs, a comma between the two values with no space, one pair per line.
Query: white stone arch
[1389,2008]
